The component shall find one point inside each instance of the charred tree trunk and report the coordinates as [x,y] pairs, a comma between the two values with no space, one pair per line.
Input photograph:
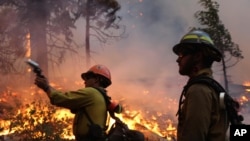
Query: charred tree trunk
[87,42]
[225,74]
[37,29]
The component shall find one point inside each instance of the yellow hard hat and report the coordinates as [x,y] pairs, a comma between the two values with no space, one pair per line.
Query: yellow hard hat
[198,38]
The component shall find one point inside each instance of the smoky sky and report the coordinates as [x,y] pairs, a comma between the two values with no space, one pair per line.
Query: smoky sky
[236,18]
[164,22]
[144,61]
[153,27]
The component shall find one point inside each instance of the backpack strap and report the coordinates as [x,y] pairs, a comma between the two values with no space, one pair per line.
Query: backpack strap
[226,101]
[83,110]
[108,101]
[104,94]
[202,79]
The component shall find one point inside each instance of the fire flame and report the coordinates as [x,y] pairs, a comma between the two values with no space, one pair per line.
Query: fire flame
[247,84]
[142,120]
[135,119]
[27,46]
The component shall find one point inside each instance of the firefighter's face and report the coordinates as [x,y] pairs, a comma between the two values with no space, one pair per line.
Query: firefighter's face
[186,63]
[90,81]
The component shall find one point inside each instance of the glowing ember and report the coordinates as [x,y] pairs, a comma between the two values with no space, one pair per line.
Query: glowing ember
[27,46]
[246,83]
[29,117]
[244,99]
[34,115]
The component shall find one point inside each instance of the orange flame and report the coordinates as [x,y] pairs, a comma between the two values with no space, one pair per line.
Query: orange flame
[27,46]
[135,119]
[246,83]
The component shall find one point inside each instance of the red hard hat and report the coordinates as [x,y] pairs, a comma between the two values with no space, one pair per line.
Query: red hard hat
[99,70]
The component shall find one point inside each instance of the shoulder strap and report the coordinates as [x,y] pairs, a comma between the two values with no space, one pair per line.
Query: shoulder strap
[104,94]
[108,101]
[226,101]
[207,81]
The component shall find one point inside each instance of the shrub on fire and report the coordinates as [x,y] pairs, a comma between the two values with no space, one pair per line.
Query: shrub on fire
[38,121]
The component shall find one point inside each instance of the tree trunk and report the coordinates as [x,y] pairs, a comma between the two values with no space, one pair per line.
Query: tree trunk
[225,74]
[37,29]
[87,43]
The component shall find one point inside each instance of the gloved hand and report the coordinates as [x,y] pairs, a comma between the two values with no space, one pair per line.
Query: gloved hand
[42,83]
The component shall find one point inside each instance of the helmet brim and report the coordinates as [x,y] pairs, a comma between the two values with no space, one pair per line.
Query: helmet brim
[177,48]
[181,46]
[83,76]
[106,81]
[86,74]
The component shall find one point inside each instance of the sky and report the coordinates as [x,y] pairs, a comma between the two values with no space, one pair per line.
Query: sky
[163,22]
[143,66]
[236,18]
[153,27]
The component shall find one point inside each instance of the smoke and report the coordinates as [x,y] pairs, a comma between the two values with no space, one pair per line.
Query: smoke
[143,66]
[237,21]
[144,61]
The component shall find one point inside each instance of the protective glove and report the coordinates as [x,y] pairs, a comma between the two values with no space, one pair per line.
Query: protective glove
[42,83]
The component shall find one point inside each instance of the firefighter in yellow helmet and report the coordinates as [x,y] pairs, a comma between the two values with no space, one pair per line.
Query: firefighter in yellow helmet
[200,117]
[89,104]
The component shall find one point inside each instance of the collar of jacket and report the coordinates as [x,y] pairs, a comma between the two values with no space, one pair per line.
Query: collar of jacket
[206,71]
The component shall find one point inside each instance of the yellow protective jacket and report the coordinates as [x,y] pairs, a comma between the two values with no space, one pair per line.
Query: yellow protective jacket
[200,117]
[90,99]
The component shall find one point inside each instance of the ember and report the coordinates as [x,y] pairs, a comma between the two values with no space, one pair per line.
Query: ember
[40,120]
[32,117]
[247,85]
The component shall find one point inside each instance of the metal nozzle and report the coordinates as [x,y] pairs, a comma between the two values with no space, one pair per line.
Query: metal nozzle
[33,63]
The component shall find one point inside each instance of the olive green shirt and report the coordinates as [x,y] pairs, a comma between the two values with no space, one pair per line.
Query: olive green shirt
[90,99]
[200,117]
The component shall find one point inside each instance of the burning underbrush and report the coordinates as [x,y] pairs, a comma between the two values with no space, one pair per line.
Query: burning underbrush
[26,114]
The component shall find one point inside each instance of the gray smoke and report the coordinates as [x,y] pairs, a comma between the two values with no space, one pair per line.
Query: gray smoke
[144,61]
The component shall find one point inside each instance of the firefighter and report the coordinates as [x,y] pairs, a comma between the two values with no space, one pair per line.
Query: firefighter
[200,117]
[91,98]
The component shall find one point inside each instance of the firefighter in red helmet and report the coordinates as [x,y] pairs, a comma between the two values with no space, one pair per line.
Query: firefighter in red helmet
[88,103]
[200,116]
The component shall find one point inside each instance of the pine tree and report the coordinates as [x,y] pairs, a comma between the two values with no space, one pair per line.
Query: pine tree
[211,23]
[101,18]
[45,21]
